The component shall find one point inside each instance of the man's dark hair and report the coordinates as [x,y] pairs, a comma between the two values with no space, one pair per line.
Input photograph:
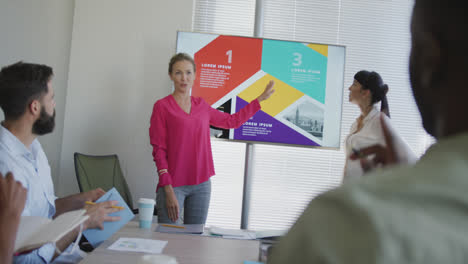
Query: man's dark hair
[20,84]
[373,82]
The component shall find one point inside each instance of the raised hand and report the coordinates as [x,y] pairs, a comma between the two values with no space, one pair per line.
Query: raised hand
[382,155]
[267,92]
[12,200]
[12,195]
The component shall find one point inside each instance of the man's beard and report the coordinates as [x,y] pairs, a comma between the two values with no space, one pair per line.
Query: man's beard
[45,124]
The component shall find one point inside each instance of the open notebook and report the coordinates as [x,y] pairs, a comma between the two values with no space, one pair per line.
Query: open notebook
[35,231]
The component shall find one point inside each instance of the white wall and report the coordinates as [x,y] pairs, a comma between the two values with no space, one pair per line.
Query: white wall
[40,32]
[118,69]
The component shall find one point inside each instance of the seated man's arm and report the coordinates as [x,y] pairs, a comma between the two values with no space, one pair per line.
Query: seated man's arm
[98,214]
[42,255]
[76,201]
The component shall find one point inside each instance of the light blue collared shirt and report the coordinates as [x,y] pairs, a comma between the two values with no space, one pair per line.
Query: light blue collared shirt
[30,167]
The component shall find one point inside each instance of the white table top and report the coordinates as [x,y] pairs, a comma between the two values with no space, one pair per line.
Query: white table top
[186,248]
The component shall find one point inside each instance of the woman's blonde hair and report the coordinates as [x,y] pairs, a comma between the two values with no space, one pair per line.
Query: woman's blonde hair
[181,57]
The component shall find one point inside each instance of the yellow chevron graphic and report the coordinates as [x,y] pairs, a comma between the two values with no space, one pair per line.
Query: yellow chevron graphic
[322,49]
[283,96]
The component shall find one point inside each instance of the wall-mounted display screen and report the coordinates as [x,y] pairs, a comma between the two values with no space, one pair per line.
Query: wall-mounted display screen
[306,107]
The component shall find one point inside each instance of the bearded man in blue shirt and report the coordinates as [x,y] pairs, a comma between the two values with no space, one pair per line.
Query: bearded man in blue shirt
[27,101]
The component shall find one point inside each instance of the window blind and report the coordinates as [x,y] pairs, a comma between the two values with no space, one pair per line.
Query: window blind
[376,36]
[224,17]
[227,186]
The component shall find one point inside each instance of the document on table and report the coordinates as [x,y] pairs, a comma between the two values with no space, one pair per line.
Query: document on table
[232,233]
[185,229]
[138,245]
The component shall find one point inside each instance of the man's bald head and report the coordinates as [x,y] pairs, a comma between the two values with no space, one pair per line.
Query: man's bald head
[438,64]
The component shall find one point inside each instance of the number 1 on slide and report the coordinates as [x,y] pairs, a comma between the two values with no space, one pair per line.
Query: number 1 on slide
[229,54]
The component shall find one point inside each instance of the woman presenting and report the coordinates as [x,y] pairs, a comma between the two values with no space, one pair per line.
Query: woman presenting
[367,90]
[180,135]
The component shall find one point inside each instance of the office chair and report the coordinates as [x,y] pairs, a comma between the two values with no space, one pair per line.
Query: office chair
[102,172]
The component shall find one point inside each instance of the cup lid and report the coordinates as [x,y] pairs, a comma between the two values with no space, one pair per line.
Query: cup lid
[147,201]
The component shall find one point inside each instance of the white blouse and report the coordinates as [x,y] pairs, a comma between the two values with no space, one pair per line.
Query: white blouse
[371,134]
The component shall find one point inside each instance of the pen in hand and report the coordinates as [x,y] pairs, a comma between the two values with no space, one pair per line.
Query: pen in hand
[358,154]
[113,206]
[175,226]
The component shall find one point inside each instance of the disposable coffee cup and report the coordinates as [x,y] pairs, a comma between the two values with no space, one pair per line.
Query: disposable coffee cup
[145,212]
[157,259]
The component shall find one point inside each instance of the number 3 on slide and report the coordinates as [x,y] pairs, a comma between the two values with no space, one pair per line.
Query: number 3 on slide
[297,59]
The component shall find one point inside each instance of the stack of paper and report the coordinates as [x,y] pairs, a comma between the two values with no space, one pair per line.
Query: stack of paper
[184,229]
[232,233]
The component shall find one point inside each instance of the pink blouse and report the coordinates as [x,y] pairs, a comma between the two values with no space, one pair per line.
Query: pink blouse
[181,141]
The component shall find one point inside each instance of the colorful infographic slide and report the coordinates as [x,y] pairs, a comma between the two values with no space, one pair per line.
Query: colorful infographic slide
[305,109]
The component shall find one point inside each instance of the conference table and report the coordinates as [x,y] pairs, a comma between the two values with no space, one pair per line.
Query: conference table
[186,248]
